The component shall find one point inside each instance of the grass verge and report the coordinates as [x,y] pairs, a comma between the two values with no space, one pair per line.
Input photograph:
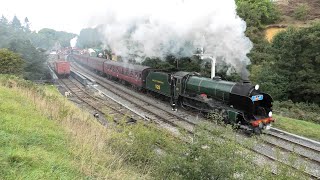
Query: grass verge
[31,145]
[299,127]
[44,136]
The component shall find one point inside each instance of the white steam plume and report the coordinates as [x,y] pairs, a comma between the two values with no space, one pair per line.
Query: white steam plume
[156,28]
[73,42]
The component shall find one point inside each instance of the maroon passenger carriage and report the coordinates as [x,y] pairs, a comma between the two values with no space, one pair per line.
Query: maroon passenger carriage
[96,64]
[81,59]
[134,75]
[128,73]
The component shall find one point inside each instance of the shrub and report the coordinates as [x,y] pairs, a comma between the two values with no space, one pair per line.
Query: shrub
[302,111]
[301,12]
[258,12]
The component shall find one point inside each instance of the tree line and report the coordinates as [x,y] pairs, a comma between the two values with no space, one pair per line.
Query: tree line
[23,52]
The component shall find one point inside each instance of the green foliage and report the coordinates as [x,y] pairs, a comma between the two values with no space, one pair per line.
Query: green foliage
[31,146]
[209,157]
[257,12]
[50,39]
[30,45]
[10,62]
[63,143]
[158,64]
[35,67]
[288,68]
[26,25]
[298,61]
[272,82]
[140,145]
[262,52]
[16,24]
[303,111]
[193,64]
[301,11]
[213,154]
[225,71]
[89,38]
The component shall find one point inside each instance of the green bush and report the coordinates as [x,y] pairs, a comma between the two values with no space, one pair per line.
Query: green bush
[293,73]
[140,145]
[208,157]
[301,12]
[10,62]
[257,12]
[302,111]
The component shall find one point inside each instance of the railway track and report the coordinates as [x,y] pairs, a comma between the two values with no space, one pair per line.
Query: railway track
[284,141]
[307,151]
[177,118]
[97,105]
[140,104]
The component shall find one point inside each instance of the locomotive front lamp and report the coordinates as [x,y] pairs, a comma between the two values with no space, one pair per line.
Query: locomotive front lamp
[270,114]
[256,87]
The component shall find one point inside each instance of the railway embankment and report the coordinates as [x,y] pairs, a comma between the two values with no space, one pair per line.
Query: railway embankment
[44,136]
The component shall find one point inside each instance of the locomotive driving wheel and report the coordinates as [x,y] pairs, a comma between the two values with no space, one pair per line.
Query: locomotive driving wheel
[257,130]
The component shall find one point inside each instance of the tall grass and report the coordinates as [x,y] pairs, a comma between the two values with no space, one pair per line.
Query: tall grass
[86,139]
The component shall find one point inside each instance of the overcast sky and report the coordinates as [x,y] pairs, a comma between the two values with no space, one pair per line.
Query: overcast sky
[73,15]
[66,15]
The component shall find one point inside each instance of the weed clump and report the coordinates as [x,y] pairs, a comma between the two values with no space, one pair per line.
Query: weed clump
[301,12]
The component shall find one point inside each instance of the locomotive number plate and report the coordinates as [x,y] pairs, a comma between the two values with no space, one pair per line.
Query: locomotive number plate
[157,86]
[257,98]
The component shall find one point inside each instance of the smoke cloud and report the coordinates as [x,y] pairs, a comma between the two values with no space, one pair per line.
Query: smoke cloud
[73,42]
[157,28]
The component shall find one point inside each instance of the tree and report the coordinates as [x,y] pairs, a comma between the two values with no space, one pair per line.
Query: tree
[26,25]
[34,60]
[89,38]
[3,20]
[297,59]
[10,62]
[48,38]
[257,12]
[15,23]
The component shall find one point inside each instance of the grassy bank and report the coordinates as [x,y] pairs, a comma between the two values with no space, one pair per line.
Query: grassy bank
[31,145]
[44,136]
[299,127]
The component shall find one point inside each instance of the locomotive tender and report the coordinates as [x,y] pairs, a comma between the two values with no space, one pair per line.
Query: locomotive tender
[238,103]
